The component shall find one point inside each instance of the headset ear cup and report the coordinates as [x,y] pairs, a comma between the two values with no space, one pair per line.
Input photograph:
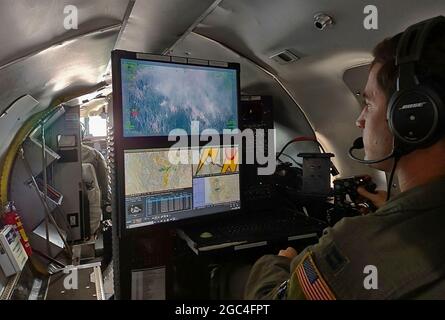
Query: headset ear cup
[390,112]
[400,148]
[413,117]
[434,90]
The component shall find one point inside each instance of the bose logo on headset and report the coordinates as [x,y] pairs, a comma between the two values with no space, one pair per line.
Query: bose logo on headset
[413,105]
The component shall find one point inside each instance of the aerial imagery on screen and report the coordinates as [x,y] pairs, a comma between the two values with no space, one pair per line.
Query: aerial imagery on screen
[158,97]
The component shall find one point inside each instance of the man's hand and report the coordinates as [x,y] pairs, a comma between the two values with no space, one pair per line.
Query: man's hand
[289,253]
[378,198]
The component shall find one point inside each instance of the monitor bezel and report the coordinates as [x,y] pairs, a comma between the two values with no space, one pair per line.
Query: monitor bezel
[182,221]
[121,143]
[118,55]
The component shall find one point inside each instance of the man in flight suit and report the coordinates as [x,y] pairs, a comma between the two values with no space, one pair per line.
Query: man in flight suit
[401,244]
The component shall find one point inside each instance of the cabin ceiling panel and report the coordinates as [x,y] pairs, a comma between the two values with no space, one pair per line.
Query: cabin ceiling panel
[289,120]
[262,28]
[58,68]
[155,25]
[258,29]
[254,82]
[32,25]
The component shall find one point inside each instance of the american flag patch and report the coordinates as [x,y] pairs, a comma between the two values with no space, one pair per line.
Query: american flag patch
[311,281]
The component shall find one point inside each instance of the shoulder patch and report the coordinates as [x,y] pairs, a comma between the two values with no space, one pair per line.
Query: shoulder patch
[312,283]
[335,259]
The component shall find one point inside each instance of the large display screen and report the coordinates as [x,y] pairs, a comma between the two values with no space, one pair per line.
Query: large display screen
[158,97]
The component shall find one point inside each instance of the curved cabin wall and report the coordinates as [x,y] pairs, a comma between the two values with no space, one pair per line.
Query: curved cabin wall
[259,29]
[39,57]
[290,121]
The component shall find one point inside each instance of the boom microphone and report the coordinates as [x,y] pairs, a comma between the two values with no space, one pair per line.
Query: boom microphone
[357,145]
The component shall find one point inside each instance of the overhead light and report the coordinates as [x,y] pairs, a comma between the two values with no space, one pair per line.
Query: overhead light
[322,20]
[284,57]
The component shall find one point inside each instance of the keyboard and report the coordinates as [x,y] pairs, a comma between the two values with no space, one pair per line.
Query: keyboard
[253,228]
[267,227]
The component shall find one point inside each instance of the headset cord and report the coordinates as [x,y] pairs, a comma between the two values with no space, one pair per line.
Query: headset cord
[391,177]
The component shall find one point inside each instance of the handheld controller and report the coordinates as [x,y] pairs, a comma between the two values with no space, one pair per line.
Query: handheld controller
[347,201]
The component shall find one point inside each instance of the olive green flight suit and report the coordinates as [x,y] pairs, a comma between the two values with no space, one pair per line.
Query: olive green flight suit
[402,243]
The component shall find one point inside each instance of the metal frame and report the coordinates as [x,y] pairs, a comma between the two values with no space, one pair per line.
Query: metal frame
[48,216]
[127,14]
[10,286]
[98,281]
[123,239]
[122,143]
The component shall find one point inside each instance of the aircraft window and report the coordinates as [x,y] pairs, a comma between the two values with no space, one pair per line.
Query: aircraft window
[94,126]
[64,141]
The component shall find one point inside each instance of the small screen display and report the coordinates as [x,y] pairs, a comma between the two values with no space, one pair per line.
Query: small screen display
[163,185]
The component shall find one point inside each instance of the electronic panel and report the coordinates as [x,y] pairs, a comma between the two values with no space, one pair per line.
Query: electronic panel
[167,184]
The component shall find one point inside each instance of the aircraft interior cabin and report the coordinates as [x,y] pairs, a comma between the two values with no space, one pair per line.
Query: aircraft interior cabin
[222,150]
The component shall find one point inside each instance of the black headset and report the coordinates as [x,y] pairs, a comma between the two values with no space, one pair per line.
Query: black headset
[415,110]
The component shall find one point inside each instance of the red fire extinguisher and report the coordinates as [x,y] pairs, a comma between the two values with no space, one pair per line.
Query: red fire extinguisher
[11,217]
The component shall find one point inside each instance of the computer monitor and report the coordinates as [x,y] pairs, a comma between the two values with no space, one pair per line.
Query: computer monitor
[158,97]
[164,184]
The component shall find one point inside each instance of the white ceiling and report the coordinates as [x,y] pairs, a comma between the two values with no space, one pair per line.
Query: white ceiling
[255,29]
[155,25]
[28,26]
[258,29]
